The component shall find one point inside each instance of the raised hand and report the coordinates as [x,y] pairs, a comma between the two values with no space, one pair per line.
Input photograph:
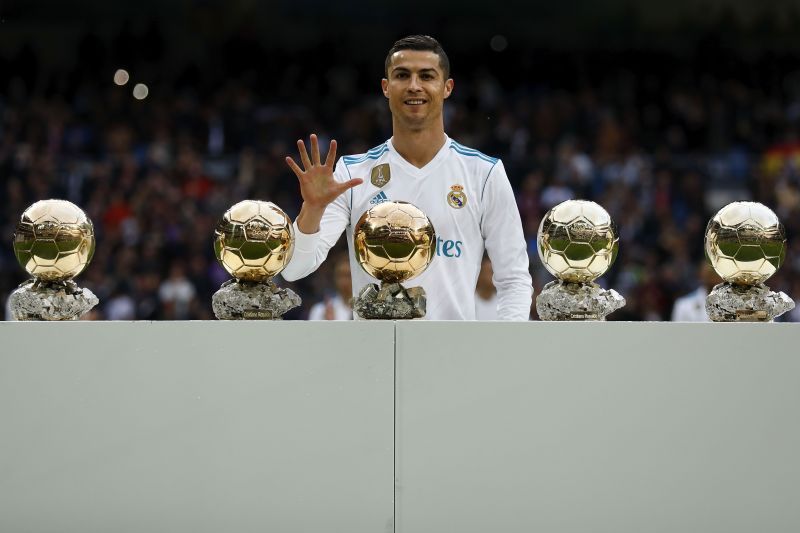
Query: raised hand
[317,185]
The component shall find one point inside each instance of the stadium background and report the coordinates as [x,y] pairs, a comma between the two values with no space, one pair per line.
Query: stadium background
[660,112]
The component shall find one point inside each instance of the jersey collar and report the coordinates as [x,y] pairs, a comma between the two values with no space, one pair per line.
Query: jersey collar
[427,169]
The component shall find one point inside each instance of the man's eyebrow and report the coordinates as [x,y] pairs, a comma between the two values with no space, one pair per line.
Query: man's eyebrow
[421,71]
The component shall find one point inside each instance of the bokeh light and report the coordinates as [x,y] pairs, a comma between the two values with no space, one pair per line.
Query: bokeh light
[140,91]
[121,77]
[498,43]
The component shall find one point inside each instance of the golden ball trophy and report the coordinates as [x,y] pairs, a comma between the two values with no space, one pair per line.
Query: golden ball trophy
[746,244]
[53,242]
[253,242]
[394,242]
[577,243]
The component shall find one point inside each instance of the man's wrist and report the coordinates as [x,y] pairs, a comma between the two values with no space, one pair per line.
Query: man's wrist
[309,218]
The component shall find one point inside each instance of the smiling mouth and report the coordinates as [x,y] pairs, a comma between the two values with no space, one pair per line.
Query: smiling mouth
[415,101]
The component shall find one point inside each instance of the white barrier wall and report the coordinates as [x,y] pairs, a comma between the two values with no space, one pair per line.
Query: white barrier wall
[411,427]
[598,427]
[196,427]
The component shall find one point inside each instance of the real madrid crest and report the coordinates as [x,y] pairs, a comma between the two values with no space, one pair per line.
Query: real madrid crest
[456,197]
[380,175]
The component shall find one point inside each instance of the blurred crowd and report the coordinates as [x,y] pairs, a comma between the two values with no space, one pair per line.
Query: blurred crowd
[660,142]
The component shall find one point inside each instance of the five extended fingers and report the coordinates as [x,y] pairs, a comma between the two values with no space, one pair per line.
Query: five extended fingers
[314,161]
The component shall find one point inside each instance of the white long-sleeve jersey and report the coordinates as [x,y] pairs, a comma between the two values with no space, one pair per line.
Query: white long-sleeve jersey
[468,199]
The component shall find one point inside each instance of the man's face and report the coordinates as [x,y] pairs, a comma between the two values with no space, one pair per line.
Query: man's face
[416,88]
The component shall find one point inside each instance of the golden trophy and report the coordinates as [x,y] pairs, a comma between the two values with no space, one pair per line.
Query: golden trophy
[253,242]
[577,242]
[394,242]
[53,242]
[746,244]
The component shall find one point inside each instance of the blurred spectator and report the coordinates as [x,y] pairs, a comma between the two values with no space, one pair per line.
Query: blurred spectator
[692,307]
[336,305]
[661,139]
[176,293]
[120,305]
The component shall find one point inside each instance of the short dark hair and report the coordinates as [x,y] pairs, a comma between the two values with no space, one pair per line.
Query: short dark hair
[419,42]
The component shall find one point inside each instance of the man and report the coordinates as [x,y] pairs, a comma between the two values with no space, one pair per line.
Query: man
[692,307]
[485,293]
[464,193]
[337,306]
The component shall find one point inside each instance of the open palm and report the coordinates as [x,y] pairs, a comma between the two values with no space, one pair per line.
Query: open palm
[317,185]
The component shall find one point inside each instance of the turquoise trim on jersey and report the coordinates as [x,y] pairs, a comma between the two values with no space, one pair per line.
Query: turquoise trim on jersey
[474,154]
[373,153]
[485,182]
[463,150]
[351,191]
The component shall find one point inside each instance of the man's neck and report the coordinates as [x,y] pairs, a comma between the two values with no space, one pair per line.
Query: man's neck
[418,147]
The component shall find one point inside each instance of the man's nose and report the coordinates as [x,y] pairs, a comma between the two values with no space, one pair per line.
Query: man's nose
[414,84]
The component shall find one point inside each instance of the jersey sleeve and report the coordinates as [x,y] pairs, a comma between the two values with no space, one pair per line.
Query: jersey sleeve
[317,311]
[682,311]
[505,243]
[310,250]
[677,312]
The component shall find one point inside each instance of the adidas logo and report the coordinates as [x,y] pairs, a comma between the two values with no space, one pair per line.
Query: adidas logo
[378,198]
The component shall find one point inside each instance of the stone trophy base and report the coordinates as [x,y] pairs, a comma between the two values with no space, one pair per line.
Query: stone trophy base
[50,300]
[390,301]
[250,300]
[742,303]
[561,300]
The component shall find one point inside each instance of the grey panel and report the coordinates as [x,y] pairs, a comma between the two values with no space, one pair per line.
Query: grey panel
[598,427]
[200,426]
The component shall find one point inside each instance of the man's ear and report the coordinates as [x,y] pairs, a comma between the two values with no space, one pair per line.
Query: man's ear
[385,87]
[448,87]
